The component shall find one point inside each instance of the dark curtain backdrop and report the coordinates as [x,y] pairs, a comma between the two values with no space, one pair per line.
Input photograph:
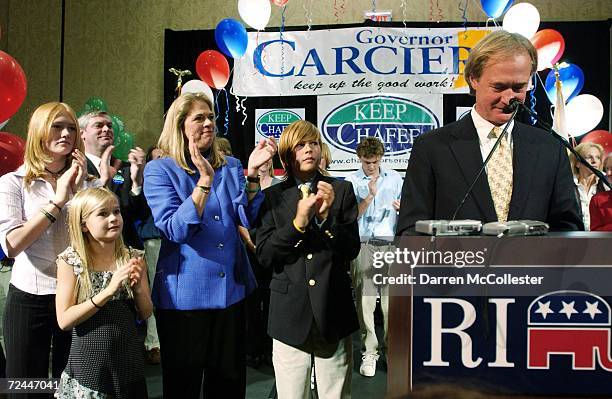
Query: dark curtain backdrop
[587,44]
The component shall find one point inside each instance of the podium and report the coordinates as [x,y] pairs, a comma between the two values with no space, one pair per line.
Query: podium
[532,320]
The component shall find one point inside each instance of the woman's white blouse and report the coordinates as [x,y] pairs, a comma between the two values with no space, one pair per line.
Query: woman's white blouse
[35,269]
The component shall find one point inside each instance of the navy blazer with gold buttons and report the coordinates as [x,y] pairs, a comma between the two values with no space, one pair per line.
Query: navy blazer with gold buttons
[310,271]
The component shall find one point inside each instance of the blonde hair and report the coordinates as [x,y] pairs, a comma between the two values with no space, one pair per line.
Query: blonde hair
[605,161]
[326,155]
[36,156]
[297,132]
[81,207]
[498,44]
[582,149]
[172,141]
[224,145]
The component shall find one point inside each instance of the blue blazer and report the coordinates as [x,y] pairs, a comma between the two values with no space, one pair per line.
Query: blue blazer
[202,262]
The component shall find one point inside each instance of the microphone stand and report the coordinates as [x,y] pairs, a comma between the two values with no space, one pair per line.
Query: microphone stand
[567,145]
[501,137]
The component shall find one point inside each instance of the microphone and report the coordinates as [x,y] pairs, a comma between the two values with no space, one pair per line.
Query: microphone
[515,103]
[512,106]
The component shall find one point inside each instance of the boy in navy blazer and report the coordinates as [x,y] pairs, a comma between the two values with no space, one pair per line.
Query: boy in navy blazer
[307,233]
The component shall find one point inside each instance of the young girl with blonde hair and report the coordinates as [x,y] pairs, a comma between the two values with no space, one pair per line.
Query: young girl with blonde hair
[102,287]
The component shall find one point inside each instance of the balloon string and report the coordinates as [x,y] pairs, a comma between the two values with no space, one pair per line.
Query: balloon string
[435,15]
[463,8]
[373,5]
[308,14]
[339,9]
[280,34]
[263,53]
[532,102]
[336,16]
[217,105]
[227,105]
[440,17]
[403,7]
[540,80]
[240,108]
[244,114]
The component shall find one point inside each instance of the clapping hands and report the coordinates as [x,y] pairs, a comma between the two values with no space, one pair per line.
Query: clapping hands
[262,153]
[207,173]
[108,171]
[129,274]
[137,157]
[71,180]
[315,204]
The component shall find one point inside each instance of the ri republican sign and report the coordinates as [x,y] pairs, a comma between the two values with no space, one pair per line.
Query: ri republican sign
[556,344]
[396,120]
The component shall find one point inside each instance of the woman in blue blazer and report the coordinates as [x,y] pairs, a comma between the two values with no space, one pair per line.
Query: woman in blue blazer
[198,197]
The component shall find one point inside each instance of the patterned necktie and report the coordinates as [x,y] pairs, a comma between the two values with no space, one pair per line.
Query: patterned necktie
[305,189]
[499,172]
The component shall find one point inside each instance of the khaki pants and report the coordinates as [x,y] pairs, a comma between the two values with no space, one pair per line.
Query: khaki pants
[365,297]
[151,255]
[332,366]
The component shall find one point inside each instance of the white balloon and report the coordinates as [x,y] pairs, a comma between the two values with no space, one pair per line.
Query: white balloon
[583,113]
[255,13]
[197,86]
[3,124]
[522,18]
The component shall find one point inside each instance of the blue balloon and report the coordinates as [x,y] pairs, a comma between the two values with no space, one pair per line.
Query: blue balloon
[572,81]
[231,37]
[495,8]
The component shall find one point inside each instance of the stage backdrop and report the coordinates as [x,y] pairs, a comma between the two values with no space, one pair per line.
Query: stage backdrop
[332,71]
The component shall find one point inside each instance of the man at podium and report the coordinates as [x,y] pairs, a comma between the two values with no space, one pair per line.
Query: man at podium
[528,175]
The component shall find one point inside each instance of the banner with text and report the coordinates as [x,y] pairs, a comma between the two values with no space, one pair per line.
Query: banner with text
[355,60]
[272,122]
[395,119]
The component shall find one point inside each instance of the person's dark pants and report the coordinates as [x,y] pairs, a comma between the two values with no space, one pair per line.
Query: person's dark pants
[258,342]
[203,345]
[31,332]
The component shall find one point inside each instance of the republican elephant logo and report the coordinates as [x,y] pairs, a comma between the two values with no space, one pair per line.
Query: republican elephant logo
[569,323]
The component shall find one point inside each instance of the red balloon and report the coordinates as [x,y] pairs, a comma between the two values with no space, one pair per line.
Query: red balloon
[12,149]
[601,137]
[12,140]
[13,86]
[213,69]
[280,3]
[550,46]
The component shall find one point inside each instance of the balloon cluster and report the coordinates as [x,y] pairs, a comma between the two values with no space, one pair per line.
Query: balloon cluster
[124,141]
[583,112]
[232,39]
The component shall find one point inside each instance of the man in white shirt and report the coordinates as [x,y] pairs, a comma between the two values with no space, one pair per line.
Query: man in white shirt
[378,192]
